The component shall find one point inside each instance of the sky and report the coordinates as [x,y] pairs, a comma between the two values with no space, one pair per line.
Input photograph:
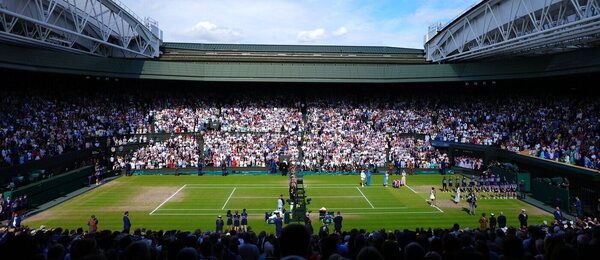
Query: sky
[397,23]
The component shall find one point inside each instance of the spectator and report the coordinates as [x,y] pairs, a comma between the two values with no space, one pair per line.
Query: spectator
[294,240]
[126,222]
[578,207]
[337,221]
[558,216]
[493,221]
[502,220]
[219,225]
[93,224]
[483,222]
[523,218]
[15,221]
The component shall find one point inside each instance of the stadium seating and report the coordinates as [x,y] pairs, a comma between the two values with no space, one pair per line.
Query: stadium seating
[341,135]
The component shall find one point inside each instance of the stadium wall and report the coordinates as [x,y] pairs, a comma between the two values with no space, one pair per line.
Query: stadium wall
[28,59]
[44,191]
[53,165]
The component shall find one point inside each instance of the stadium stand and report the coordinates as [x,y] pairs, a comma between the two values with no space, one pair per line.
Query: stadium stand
[347,133]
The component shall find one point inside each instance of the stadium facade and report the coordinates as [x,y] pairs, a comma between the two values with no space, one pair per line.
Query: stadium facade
[310,64]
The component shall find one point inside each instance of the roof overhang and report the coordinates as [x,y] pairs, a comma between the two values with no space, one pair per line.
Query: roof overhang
[24,58]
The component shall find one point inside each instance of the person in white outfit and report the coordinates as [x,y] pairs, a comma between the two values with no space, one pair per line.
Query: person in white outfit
[432,196]
[403,180]
[363,176]
[457,198]
[280,203]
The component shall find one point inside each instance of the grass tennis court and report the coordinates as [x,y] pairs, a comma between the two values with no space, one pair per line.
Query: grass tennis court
[194,202]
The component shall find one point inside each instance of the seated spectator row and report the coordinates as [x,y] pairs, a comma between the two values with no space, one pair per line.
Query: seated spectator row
[248,149]
[469,162]
[177,152]
[418,153]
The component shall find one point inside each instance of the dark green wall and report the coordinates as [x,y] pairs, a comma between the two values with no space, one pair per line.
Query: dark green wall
[52,188]
[22,58]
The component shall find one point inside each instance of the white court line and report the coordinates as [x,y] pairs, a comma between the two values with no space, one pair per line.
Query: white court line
[213,187]
[437,208]
[270,187]
[410,189]
[312,197]
[393,212]
[370,209]
[425,200]
[363,213]
[365,197]
[266,185]
[328,187]
[228,198]
[168,199]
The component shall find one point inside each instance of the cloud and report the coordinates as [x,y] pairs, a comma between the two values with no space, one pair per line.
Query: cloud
[311,36]
[206,31]
[341,31]
[320,35]
[401,23]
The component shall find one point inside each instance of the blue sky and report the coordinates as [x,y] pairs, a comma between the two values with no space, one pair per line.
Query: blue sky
[399,23]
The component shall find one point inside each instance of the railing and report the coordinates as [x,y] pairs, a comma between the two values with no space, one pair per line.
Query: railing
[128,10]
[440,26]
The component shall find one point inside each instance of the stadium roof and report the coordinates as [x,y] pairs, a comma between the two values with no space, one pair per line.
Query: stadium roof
[204,52]
[290,48]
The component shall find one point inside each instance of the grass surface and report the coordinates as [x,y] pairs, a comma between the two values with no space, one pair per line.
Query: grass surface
[193,202]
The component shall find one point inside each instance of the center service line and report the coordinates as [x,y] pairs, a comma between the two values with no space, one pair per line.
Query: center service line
[182,187]
[365,197]
[228,198]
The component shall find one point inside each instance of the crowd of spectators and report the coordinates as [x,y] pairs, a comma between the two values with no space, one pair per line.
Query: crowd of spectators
[580,240]
[238,115]
[177,152]
[262,115]
[9,205]
[419,152]
[36,127]
[341,137]
[469,162]
[182,119]
[336,134]
[248,149]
